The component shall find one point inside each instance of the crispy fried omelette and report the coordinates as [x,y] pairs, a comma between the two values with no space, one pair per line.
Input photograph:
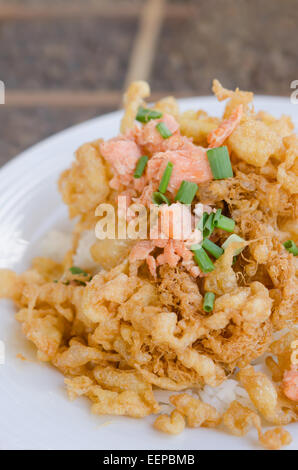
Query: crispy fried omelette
[167,313]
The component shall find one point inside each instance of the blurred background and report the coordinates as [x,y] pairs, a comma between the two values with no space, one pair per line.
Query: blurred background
[65,61]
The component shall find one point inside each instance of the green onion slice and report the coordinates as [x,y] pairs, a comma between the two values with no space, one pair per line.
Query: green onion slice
[203,260]
[186,192]
[233,239]
[145,115]
[225,223]
[166,177]
[216,216]
[196,246]
[141,165]
[220,163]
[76,270]
[163,130]
[202,221]
[291,247]
[212,248]
[209,226]
[159,198]
[208,301]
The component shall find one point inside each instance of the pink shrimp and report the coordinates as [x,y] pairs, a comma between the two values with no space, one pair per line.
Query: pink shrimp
[182,251]
[122,153]
[146,196]
[190,165]
[139,183]
[217,137]
[290,383]
[141,250]
[173,251]
[150,138]
[151,262]
[168,256]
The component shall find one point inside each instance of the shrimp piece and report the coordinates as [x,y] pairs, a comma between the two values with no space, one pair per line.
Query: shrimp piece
[146,197]
[173,251]
[179,142]
[150,138]
[141,250]
[187,258]
[290,383]
[151,262]
[168,256]
[217,137]
[191,165]
[182,251]
[139,183]
[122,154]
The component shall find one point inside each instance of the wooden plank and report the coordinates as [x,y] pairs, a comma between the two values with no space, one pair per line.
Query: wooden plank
[73,98]
[29,12]
[125,9]
[62,98]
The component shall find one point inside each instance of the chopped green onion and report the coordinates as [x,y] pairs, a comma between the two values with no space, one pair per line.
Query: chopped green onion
[208,302]
[141,165]
[203,260]
[209,227]
[196,246]
[163,130]
[216,216]
[159,198]
[212,248]
[225,223]
[291,247]
[66,283]
[202,221]
[55,280]
[186,192]
[220,163]
[233,239]
[145,115]
[166,177]
[76,270]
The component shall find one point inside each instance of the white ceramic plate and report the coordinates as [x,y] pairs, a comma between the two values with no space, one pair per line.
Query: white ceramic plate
[34,409]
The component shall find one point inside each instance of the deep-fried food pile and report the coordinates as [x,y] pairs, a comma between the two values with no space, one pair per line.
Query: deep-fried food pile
[178,313]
